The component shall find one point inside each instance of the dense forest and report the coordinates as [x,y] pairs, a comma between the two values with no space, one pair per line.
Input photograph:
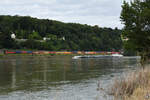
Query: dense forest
[58,35]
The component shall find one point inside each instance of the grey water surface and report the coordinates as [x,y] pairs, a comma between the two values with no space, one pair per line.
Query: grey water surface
[60,77]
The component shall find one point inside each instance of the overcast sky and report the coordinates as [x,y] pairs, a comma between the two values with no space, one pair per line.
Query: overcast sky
[104,13]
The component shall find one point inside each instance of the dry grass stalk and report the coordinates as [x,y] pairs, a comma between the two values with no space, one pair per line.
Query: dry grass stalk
[125,87]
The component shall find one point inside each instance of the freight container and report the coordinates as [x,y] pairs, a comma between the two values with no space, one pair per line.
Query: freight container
[29,52]
[52,52]
[10,52]
[18,52]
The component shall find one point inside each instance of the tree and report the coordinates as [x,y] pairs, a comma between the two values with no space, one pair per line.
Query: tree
[35,35]
[6,41]
[136,18]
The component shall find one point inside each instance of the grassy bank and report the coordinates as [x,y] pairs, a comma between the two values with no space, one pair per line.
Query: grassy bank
[135,86]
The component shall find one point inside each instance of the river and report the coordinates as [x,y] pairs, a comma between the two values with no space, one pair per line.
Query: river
[60,77]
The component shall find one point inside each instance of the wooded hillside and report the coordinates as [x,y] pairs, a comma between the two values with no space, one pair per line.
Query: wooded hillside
[60,36]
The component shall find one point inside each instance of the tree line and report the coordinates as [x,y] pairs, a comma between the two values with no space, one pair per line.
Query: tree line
[60,36]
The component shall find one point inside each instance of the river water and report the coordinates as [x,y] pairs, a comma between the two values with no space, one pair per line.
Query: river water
[60,77]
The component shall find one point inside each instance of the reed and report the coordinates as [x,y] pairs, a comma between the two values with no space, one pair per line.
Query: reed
[135,86]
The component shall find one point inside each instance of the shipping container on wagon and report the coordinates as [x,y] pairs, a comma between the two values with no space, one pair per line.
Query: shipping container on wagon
[29,52]
[103,53]
[18,52]
[45,52]
[74,52]
[91,52]
[52,52]
[115,52]
[10,52]
[59,52]
[109,53]
[80,52]
[35,52]
[67,52]
[40,52]
[24,52]
[98,52]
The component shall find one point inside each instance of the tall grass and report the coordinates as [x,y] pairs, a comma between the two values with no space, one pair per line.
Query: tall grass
[127,87]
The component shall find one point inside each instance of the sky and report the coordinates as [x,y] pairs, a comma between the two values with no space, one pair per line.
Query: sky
[104,13]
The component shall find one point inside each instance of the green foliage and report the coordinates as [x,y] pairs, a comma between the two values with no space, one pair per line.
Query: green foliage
[35,35]
[5,40]
[136,18]
[77,36]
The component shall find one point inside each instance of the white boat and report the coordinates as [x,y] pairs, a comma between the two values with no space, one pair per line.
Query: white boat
[76,57]
[97,56]
[116,55]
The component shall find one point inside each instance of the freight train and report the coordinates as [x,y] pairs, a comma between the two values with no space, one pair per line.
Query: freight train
[62,52]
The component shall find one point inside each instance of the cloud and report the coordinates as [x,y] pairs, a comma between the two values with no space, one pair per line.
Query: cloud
[104,13]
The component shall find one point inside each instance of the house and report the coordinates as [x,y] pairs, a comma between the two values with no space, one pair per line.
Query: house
[13,36]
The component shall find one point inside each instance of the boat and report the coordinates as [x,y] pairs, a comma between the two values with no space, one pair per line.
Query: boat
[76,57]
[117,55]
[98,56]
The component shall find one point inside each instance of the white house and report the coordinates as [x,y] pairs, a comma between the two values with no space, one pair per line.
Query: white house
[63,38]
[45,38]
[13,36]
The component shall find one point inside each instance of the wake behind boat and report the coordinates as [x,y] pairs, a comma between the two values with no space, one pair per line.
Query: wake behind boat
[97,56]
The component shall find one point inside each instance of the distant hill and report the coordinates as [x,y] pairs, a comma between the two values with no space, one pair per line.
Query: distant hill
[57,35]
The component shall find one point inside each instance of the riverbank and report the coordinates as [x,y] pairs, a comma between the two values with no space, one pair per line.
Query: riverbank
[135,86]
